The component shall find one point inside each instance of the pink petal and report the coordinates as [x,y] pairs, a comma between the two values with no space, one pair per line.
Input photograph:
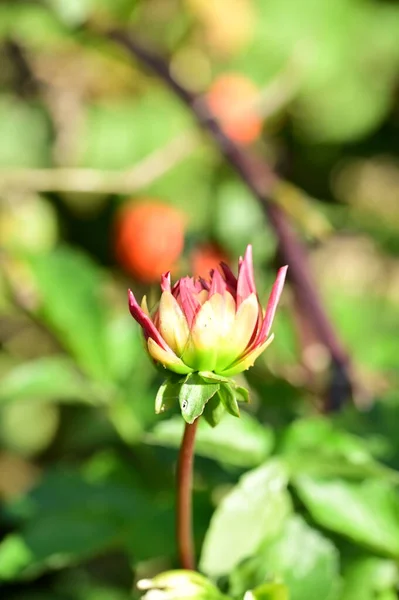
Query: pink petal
[198,286]
[150,331]
[270,309]
[274,300]
[188,299]
[245,281]
[204,283]
[165,282]
[230,279]
[218,284]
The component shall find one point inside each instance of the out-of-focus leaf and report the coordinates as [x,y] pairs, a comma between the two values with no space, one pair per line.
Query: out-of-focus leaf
[108,144]
[245,221]
[29,225]
[124,346]
[369,578]
[366,512]
[305,560]
[50,378]
[241,442]
[28,428]
[255,509]
[68,518]
[72,13]
[26,128]
[34,25]
[69,292]
[331,60]
[315,446]
[370,333]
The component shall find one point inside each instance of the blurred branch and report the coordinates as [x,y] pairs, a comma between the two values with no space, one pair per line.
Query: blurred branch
[102,182]
[262,181]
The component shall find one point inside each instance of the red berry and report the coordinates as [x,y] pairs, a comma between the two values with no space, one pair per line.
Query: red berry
[231,99]
[206,257]
[149,238]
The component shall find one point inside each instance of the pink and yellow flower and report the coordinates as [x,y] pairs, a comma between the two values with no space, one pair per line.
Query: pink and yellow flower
[213,326]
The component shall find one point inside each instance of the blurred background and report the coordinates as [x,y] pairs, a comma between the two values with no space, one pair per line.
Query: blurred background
[106,181]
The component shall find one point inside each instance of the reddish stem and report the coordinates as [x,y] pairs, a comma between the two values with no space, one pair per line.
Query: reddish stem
[184,524]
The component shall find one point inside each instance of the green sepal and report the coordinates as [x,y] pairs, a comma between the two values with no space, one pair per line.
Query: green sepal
[228,397]
[211,377]
[168,394]
[214,410]
[195,392]
[242,394]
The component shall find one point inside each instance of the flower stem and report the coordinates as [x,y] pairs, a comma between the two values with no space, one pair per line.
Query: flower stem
[184,497]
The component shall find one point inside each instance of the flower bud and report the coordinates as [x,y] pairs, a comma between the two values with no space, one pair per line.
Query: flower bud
[214,325]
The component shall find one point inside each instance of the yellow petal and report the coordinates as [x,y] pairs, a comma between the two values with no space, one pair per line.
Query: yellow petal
[201,349]
[172,323]
[248,361]
[144,306]
[234,343]
[167,359]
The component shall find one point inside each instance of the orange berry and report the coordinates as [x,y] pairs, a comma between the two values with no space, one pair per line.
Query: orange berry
[206,257]
[149,238]
[231,99]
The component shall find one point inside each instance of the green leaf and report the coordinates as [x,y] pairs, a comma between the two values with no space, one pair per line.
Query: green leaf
[227,396]
[45,379]
[369,578]
[194,394]
[69,518]
[367,512]
[214,410]
[302,557]
[124,346]
[17,432]
[167,395]
[26,128]
[69,287]
[241,442]
[255,509]
[241,393]
[210,376]
[315,446]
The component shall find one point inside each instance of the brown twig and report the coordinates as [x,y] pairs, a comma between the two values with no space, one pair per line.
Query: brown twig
[184,480]
[261,180]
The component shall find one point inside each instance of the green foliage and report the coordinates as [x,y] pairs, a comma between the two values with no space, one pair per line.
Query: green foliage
[288,504]
[300,556]
[254,510]
[239,442]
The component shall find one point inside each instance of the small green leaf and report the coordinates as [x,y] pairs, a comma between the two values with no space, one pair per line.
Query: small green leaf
[214,410]
[211,377]
[229,400]
[242,394]
[167,395]
[194,394]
